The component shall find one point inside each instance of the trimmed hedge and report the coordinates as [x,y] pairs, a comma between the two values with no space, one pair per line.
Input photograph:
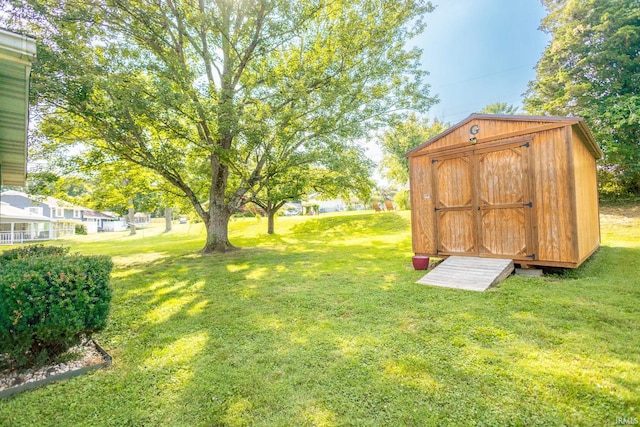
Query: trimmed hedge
[32,251]
[49,301]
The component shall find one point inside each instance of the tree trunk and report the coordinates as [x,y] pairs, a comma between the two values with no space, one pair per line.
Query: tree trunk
[218,232]
[168,214]
[271,214]
[217,222]
[132,223]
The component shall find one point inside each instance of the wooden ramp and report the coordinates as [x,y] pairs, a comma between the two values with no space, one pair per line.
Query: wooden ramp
[469,273]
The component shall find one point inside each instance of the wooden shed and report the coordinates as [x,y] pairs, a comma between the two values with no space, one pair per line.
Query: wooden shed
[519,187]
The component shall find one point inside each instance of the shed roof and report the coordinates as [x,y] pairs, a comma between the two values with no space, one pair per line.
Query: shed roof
[574,121]
[17,52]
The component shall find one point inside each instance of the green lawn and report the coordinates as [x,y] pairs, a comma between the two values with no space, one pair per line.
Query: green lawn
[323,324]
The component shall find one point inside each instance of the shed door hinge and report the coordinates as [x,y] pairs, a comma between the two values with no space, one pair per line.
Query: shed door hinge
[436,209]
[532,256]
[526,144]
[530,204]
[434,160]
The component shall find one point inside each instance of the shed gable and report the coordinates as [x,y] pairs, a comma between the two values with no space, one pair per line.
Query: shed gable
[489,127]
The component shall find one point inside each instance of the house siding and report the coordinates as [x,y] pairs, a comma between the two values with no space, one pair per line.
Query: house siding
[24,202]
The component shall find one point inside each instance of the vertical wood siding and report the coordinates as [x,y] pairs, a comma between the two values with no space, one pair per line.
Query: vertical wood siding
[587,211]
[556,230]
[423,238]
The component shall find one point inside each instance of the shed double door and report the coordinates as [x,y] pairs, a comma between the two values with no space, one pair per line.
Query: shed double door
[483,202]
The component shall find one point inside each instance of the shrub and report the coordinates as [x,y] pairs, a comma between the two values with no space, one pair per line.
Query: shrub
[49,302]
[30,251]
[81,229]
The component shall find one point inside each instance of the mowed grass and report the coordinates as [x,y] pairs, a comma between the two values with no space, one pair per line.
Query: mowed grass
[323,324]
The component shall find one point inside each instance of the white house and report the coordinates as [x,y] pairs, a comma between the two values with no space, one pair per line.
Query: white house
[62,223]
[324,206]
[62,215]
[18,225]
[102,221]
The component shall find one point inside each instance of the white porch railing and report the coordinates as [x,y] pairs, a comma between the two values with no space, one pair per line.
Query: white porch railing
[12,238]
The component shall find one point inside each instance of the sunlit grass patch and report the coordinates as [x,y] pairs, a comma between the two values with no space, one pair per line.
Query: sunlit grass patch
[179,352]
[323,324]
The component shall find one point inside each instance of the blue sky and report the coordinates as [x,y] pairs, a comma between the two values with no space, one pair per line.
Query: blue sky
[479,52]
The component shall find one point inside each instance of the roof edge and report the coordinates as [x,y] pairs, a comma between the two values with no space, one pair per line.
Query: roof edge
[17,45]
[591,143]
[507,117]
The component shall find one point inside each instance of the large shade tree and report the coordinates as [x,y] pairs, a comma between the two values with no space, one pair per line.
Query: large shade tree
[591,68]
[204,92]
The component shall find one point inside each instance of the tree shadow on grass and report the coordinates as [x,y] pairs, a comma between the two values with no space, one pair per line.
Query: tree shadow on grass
[339,333]
[354,351]
[251,295]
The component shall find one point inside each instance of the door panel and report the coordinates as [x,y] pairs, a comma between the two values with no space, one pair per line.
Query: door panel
[454,182]
[501,177]
[453,179]
[482,202]
[503,232]
[457,231]
[502,195]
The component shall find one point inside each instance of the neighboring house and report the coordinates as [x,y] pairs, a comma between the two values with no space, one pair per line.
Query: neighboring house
[102,221]
[93,220]
[19,225]
[324,206]
[17,52]
[62,215]
[141,218]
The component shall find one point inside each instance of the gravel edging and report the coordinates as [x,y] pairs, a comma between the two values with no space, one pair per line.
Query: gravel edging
[16,381]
